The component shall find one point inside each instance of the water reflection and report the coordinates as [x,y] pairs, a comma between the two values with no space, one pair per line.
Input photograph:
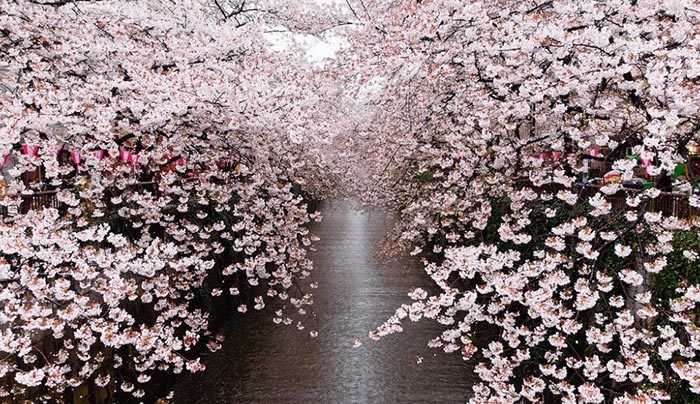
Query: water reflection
[266,363]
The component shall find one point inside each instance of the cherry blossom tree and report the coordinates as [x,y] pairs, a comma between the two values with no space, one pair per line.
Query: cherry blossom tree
[487,121]
[155,157]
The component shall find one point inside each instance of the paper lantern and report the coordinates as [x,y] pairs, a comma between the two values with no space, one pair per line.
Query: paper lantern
[124,156]
[75,156]
[30,150]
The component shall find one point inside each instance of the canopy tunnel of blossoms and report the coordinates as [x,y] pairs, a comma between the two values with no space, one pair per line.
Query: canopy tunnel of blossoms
[159,157]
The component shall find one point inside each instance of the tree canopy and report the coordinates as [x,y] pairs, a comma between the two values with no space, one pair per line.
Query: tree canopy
[159,158]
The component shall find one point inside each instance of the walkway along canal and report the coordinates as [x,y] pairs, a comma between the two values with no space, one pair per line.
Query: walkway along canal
[265,363]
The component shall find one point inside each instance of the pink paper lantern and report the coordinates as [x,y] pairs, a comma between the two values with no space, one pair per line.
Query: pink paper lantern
[30,150]
[124,156]
[75,156]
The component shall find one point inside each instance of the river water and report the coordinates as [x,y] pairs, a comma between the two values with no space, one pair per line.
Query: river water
[265,363]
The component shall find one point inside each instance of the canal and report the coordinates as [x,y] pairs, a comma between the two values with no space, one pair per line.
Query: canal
[265,363]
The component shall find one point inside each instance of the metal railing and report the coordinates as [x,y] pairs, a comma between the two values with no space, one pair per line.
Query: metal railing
[668,203]
[35,201]
[38,200]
